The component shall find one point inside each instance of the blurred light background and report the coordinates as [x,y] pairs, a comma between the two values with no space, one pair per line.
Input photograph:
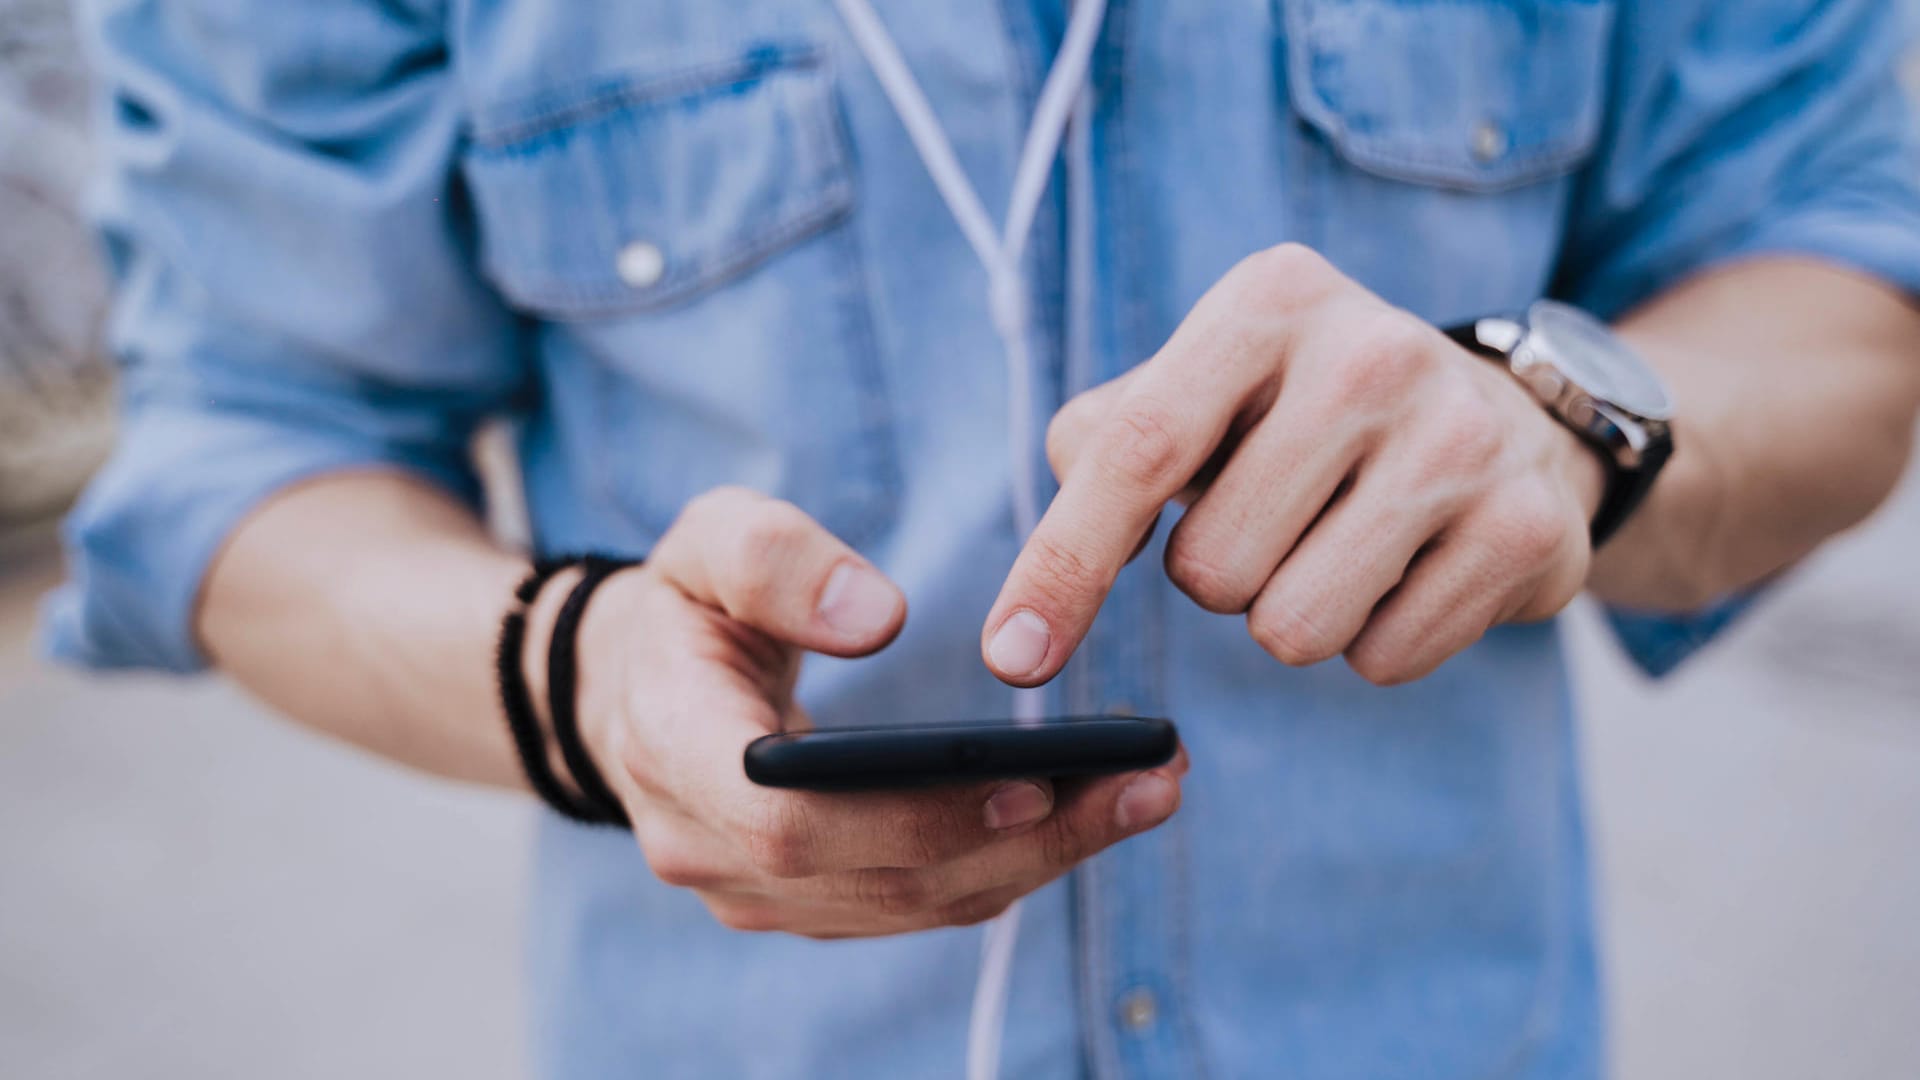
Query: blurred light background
[190,888]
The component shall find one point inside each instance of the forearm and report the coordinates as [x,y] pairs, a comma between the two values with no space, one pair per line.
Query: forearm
[367,606]
[1796,386]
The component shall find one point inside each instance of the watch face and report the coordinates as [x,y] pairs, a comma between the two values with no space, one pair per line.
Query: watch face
[1594,359]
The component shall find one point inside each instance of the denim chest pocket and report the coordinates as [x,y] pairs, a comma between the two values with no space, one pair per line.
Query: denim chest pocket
[683,240]
[1442,137]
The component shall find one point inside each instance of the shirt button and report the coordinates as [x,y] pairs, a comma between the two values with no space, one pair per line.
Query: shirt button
[1138,1009]
[1489,141]
[641,264]
[1122,707]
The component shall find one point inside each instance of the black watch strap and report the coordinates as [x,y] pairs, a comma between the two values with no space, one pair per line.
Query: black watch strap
[1626,489]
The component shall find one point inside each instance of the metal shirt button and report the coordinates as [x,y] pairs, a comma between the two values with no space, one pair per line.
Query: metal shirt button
[1138,1009]
[1489,141]
[641,264]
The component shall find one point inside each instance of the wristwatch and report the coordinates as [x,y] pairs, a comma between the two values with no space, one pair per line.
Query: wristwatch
[1595,384]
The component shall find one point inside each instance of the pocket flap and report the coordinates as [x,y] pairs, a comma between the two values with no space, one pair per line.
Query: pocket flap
[1472,94]
[638,191]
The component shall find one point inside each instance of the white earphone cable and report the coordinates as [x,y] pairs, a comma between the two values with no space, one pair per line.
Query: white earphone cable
[1061,96]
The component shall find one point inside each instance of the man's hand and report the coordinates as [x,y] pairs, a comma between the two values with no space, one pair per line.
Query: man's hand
[690,657]
[1357,484]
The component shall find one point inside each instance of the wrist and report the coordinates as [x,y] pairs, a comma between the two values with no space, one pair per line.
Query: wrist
[1662,559]
[604,642]
[568,684]
[1571,465]
[542,613]
[1583,476]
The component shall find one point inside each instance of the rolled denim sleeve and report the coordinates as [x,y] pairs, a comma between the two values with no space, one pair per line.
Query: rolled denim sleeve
[1744,129]
[1740,130]
[295,292]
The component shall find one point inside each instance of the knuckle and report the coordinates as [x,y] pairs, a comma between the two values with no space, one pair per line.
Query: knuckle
[1207,579]
[1146,445]
[1290,274]
[773,534]
[1468,440]
[675,862]
[777,841]
[934,834]
[892,891]
[1288,634]
[1065,843]
[748,917]
[974,910]
[1531,529]
[1066,428]
[677,872]
[1559,587]
[718,505]
[1382,362]
[1059,570]
[767,545]
[1057,434]
[1379,665]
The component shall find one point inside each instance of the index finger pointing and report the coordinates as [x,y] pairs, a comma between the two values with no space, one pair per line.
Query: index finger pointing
[1157,437]
[1133,462]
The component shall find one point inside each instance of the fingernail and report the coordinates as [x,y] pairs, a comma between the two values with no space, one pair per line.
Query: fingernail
[1020,645]
[857,601]
[1017,804]
[1146,801]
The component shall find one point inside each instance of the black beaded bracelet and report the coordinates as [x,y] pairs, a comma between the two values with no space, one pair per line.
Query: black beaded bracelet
[562,692]
[517,701]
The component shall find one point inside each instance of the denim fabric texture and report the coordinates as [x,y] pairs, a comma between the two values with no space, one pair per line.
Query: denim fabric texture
[686,244]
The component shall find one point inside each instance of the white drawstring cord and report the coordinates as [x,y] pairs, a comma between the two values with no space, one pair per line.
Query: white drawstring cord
[929,138]
[1007,303]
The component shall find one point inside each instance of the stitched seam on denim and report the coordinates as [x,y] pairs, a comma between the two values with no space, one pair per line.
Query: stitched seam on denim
[636,505]
[1103,1052]
[1155,592]
[1151,686]
[1551,986]
[1096,975]
[1120,24]
[1444,170]
[501,128]
[1128,248]
[834,202]
[869,512]
[1305,165]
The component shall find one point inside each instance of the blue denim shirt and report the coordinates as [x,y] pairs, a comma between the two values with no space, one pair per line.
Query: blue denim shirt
[345,234]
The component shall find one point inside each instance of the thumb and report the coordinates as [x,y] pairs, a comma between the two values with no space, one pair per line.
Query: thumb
[765,563]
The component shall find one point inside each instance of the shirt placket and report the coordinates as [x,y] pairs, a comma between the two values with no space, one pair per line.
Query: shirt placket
[1131,902]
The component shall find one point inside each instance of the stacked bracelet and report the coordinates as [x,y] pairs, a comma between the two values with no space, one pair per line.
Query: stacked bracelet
[589,800]
[562,677]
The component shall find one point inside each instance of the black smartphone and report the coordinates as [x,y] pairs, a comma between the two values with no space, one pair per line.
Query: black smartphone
[864,758]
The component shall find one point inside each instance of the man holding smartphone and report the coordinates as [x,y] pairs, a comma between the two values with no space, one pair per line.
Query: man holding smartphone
[1378,330]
